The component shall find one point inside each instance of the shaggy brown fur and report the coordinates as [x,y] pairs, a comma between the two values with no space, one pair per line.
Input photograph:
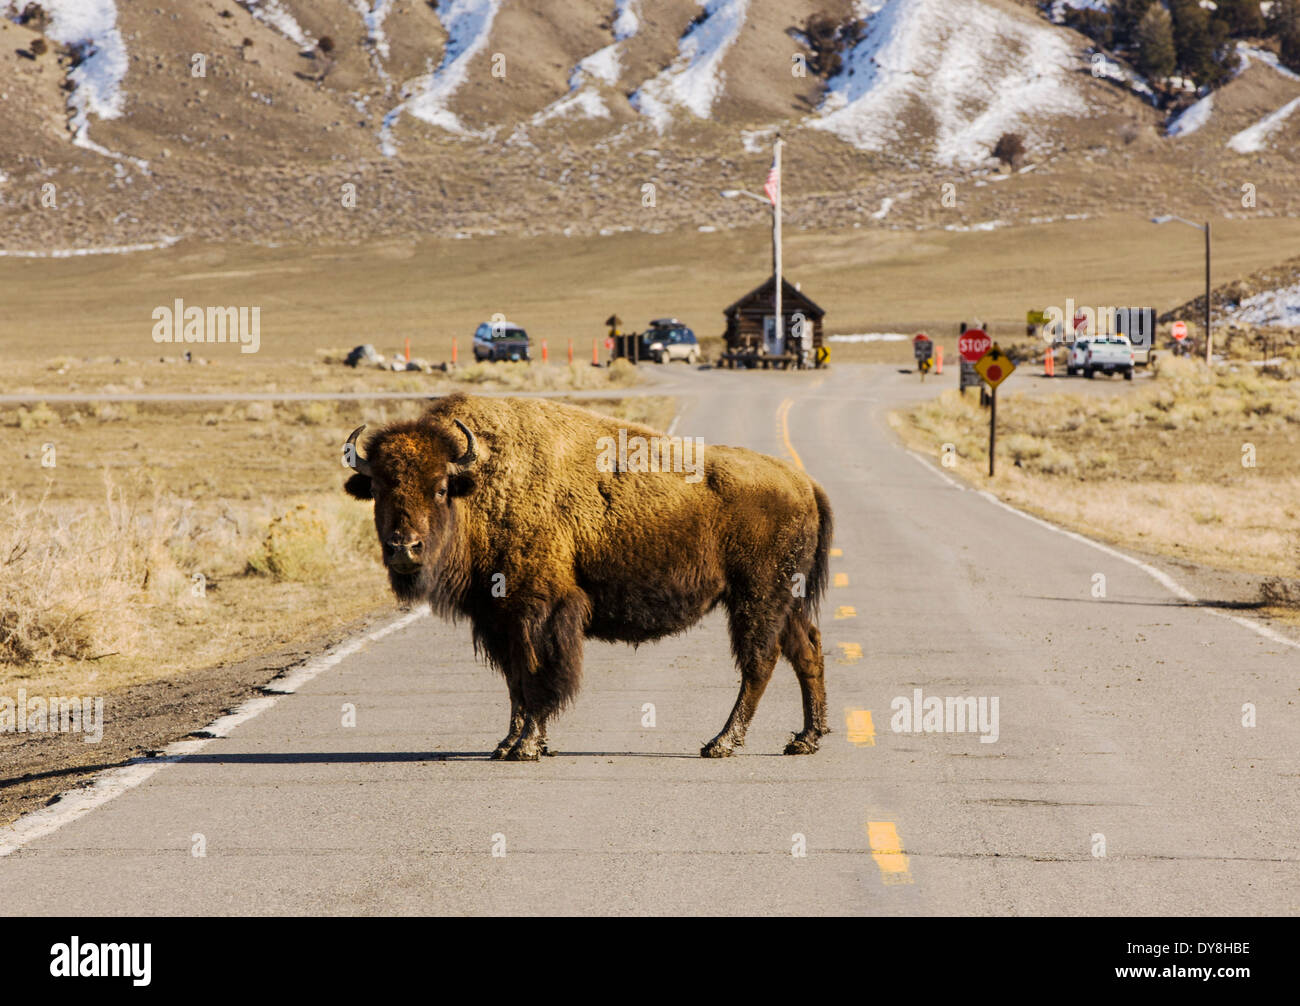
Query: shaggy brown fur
[539,550]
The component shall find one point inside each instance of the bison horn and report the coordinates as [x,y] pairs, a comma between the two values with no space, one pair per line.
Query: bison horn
[356,461]
[466,461]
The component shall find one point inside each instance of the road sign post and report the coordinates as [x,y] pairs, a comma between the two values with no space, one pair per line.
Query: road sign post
[993,428]
[923,348]
[995,367]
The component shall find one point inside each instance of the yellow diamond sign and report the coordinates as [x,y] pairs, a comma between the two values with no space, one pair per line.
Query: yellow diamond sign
[994,366]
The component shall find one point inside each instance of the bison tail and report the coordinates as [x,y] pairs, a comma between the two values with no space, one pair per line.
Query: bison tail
[819,574]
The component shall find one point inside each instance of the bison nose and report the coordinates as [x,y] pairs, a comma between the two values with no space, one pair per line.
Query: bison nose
[403,556]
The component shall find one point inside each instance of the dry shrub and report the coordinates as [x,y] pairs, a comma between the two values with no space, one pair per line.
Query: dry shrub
[309,543]
[72,585]
[317,413]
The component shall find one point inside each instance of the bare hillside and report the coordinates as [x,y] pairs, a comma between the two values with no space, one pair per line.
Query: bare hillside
[126,123]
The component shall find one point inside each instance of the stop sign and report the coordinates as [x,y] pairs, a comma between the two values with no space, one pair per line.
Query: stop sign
[973,344]
[1180,330]
[609,343]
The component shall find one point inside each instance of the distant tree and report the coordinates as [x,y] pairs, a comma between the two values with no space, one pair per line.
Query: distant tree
[1126,15]
[1098,25]
[829,39]
[1010,148]
[1284,25]
[325,45]
[38,47]
[1155,43]
[1241,17]
[1193,45]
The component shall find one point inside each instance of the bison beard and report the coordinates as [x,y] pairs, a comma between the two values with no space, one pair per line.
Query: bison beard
[495,510]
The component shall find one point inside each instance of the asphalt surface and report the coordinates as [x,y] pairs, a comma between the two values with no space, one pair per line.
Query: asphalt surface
[1119,723]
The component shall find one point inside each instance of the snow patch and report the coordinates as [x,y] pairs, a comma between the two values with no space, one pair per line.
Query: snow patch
[166,242]
[870,337]
[373,13]
[273,14]
[468,23]
[1250,52]
[1191,118]
[602,68]
[89,27]
[1273,307]
[976,71]
[1255,138]
[695,79]
[885,205]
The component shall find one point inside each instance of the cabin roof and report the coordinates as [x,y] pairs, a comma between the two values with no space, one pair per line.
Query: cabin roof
[789,295]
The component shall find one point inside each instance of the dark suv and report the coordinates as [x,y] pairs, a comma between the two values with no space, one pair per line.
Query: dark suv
[500,340]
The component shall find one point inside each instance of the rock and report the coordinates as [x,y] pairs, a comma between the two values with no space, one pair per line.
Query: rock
[362,354]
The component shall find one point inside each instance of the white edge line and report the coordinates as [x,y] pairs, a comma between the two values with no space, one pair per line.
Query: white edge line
[1160,576]
[116,781]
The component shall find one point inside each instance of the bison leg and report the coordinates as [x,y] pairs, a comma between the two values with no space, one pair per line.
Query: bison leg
[802,645]
[756,652]
[552,683]
[516,719]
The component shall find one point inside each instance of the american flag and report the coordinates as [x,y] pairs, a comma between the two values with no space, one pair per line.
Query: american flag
[773,184]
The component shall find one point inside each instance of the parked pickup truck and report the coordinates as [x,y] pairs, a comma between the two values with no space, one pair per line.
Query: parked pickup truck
[500,340]
[1111,355]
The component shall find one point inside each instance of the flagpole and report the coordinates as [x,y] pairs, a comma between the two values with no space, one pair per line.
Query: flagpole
[776,244]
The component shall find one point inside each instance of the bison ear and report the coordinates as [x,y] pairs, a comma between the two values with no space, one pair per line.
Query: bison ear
[358,487]
[461,485]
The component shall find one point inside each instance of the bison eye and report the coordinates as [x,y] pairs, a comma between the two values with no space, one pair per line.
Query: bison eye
[440,492]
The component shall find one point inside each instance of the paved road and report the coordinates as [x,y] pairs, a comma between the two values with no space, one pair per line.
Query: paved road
[1119,721]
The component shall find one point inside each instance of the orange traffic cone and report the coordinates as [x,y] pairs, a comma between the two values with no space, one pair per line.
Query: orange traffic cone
[1049,362]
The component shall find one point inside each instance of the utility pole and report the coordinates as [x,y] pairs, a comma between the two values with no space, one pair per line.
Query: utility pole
[1208,340]
[776,242]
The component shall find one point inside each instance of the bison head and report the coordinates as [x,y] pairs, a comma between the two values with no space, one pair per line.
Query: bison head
[414,473]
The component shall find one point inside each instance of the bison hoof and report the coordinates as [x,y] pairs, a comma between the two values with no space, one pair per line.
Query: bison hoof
[501,751]
[524,751]
[802,744]
[716,749]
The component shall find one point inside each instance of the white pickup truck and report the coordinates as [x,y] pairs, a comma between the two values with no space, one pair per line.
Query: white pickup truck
[1110,355]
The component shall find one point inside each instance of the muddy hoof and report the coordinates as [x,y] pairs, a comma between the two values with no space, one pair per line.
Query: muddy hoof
[523,752]
[715,750]
[547,752]
[801,746]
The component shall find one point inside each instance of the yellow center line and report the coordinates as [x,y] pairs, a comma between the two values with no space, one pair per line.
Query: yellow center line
[840,580]
[783,418]
[846,611]
[852,653]
[862,732]
[836,553]
[887,851]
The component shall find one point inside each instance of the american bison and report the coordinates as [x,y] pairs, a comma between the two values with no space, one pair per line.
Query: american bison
[527,518]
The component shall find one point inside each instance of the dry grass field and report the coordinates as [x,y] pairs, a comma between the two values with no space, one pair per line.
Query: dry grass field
[315,299]
[158,538]
[1190,466]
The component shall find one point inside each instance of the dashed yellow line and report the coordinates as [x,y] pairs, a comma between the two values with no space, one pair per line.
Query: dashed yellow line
[837,553]
[783,420]
[861,731]
[840,580]
[851,653]
[846,611]
[887,851]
